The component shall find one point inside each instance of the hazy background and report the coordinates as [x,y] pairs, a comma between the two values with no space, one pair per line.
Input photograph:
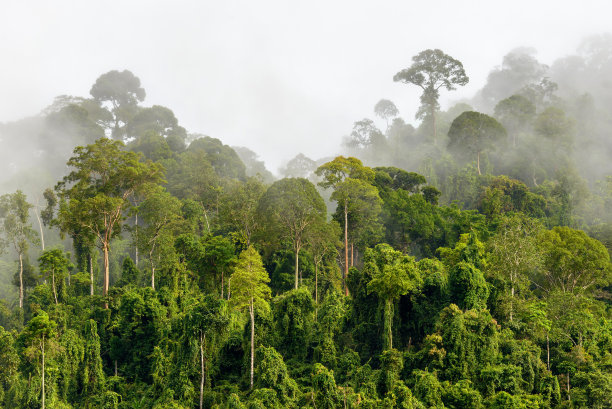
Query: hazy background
[279,77]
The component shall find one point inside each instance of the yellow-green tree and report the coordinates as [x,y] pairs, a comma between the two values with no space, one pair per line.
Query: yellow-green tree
[250,290]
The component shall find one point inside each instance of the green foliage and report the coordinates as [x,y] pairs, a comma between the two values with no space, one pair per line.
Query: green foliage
[393,274]
[573,262]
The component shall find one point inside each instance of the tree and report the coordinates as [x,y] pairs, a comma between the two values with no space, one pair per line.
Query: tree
[386,109]
[300,166]
[38,335]
[94,196]
[365,134]
[573,262]
[514,255]
[123,91]
[516,113]
[219,256]
[54,263]
[354,193]
[14,210]
[393,275]
[473,132]
[432,70]
[206,318]
[161,214]
[250,290]
[323,242]
[238,209]
[293,207]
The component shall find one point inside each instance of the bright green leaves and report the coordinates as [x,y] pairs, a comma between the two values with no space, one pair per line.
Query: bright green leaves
[393,274]
[573,262]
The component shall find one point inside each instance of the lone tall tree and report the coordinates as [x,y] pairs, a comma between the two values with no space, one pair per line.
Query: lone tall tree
[432,70]
[94,196]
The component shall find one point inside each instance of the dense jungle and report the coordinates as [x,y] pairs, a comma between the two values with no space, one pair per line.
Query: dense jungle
[448,258]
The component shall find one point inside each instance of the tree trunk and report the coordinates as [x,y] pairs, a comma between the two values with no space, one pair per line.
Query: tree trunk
[40,227]
[152,269]
[106,274]
[136,244]
[352,263]
[547,352]
[20,281]
[389,322]
[202,370]
[222,283]
[91,275]
[345,248]
[42,347]
[511,297]
[316,288]
[53,283]
[569,397]
[433,122]
[252,312]
[297,265]
[478,163]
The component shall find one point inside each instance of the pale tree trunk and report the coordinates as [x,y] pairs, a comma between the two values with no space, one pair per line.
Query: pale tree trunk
[202,373]
[229,287]
[106,274]
[222,282]
[20,281]
[40,227]
[91,275]
[478,163]
[252,312]
[345,248]
[511,296]
[136,244]
[297,265]
[389,321]
[152,268]
[42,348]
[53,283]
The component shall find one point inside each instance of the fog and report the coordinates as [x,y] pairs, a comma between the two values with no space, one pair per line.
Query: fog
[277,77]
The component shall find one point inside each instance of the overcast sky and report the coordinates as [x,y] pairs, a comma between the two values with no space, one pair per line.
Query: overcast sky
[280,77]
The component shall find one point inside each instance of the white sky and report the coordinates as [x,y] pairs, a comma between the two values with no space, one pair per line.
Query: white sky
[280,77]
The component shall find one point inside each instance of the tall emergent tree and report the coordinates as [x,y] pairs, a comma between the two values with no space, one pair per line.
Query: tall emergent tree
[94,196]
[293,208]
[250,289]
[14,210]
[122,91]
[432,70]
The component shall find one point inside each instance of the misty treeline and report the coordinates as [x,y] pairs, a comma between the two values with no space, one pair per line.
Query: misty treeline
[463,263]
